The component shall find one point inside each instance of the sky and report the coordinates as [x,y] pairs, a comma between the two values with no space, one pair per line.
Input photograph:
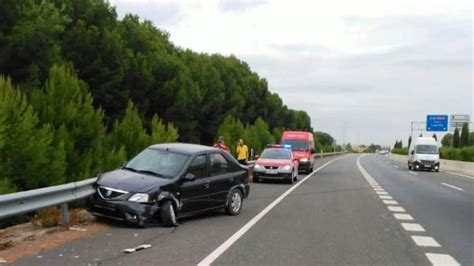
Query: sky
[363,70]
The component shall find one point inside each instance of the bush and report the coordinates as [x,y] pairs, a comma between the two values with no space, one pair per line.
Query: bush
[47,217]
[401,151]
[458,154]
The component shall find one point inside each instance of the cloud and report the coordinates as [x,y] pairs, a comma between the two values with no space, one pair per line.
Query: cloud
[362,70]
[238,5]
[161,13]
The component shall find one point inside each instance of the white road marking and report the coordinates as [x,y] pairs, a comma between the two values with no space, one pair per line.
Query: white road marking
[385,197]
[425,241]
[403,216]
[232,239]
[451,186]
[413,173]
[381,192]
[396,208]
[390,202]
[396,166]
[379,189]
[453,173]
[413,227]
[441,259]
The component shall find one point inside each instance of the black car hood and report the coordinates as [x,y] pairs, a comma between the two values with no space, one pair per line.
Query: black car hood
[131,181]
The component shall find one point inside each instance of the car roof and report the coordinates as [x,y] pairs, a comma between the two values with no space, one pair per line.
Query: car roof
[185,148]
[278,149]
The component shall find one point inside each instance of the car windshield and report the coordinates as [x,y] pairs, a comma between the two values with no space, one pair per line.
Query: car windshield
[157,162]
[426,149]
[276,154]
[296,145]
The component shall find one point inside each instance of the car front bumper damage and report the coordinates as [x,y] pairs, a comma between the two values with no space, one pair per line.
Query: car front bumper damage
[132,212]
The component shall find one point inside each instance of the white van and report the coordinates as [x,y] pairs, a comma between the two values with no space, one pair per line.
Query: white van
[423,154]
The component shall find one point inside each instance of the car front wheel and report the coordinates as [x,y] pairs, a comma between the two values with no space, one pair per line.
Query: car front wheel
[168,214]
[234,202]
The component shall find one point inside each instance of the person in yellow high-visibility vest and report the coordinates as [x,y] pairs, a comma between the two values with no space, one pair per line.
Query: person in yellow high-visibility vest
[242,152]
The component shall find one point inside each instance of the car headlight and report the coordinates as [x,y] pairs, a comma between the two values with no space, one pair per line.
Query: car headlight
[258,166]
[139,197]
[287,167]
[303,159]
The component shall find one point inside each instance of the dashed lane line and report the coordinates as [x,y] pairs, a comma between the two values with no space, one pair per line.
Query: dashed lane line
[451,186]
[425,241]
[422,241]
[441,259]
[413,227]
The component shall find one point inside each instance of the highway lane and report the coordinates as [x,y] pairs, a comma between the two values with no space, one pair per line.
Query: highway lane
[185,245]
[334,218]
[447,213]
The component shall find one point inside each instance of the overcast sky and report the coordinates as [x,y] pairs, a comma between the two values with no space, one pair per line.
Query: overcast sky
[363,70]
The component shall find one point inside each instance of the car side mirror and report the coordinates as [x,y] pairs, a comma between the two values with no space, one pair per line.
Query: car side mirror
[412,152]
[189,177]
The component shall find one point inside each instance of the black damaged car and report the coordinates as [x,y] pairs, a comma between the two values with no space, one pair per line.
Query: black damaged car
[171,181]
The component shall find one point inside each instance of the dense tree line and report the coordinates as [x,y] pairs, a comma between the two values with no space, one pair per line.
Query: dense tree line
[130,59]
[81,91]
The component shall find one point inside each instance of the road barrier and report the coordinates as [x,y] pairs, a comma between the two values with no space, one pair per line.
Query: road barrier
[466,168]
[32,200]
[28,201]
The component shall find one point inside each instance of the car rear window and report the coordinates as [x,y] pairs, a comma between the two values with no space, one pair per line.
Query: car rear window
[276,154]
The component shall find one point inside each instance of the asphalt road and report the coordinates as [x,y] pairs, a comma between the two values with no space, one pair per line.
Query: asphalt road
[334,217]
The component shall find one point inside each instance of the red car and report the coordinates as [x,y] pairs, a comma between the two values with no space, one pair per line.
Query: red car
[276,163]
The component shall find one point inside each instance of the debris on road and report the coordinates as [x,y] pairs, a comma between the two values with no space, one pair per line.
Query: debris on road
[137,248]
[77,229]
[2,261]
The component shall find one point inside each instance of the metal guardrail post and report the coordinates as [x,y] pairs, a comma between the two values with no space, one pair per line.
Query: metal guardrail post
[321,154]
[65,214]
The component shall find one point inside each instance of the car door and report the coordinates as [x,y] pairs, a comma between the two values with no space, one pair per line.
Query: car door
[195,193]
[222,178]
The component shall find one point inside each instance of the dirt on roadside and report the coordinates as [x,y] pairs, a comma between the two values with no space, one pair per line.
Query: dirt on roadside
[28,240]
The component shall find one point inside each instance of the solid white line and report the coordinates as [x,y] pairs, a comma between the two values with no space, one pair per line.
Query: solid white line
[403,216]
[425,241]
[231,240]
[390,202]
[396,208]
[413,173]
[451,186]
[413,227]
[441,259]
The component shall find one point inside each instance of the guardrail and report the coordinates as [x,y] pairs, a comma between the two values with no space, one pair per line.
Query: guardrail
[32,200]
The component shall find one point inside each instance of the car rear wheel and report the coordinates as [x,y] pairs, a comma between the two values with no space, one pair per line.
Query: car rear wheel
[234,202]
[168,214]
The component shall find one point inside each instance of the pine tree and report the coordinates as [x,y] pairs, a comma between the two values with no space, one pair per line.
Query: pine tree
[66,104]
[456,138]
[161,133]
[464,141]
[27,159]
[129,132]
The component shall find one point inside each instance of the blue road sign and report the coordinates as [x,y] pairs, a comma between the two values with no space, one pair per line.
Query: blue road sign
[437,123]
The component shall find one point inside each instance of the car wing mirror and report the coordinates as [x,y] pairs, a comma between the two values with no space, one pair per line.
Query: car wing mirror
[189,177]
[412,152]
